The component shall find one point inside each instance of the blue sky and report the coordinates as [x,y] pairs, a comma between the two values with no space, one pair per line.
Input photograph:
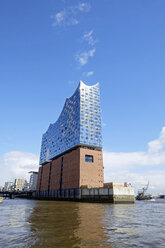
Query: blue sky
[46,47]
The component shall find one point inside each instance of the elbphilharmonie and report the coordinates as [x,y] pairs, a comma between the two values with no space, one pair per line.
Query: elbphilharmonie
[72,146]
[71,159]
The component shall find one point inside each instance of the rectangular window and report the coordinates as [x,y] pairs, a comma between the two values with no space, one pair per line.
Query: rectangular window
[89,158]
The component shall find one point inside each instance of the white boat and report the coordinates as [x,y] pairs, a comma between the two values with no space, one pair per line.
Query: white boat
[1,199]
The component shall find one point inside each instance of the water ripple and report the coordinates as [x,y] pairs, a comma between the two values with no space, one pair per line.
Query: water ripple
[33,224]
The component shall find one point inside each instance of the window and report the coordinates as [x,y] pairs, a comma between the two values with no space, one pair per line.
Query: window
[89,158]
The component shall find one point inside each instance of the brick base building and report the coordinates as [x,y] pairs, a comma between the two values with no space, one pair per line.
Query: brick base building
[77,168]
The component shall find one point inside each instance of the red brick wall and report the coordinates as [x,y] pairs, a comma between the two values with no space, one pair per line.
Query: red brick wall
[91,173]
[76,172]
[45,177]
[55,174]
[71,171]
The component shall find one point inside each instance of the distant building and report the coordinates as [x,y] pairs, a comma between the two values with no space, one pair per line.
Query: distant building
[8,186]
[71,150]
[1,188]
[18,184]
[33,180]
[26,186]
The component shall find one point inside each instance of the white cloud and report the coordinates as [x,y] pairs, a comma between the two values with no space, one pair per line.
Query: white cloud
[83,7]
[158,144]
[17,164]
[156,179]
[89,38]
[69,16]
[123,166]
[88,74]
[73,21]
[59,18]
[132,159]
[63,18]
[82,57]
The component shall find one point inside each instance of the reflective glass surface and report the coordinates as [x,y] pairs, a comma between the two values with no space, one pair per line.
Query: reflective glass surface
[78,123]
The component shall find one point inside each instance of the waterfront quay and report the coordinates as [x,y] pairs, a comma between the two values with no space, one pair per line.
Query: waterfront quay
[17,194]
[98,195]
[115,193]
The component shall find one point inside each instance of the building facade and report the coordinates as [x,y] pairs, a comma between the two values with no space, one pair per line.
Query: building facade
[19,184]
[9,186]
[33,180]
[71,149]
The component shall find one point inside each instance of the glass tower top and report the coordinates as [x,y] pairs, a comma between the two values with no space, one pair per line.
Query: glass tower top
[78,124]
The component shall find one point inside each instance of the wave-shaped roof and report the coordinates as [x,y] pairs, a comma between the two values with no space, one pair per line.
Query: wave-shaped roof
[78,123]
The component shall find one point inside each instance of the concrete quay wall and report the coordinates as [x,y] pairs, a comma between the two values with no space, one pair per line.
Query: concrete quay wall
[116,194]
[123,194]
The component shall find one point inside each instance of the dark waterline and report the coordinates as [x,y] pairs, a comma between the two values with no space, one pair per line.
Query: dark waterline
[29,223]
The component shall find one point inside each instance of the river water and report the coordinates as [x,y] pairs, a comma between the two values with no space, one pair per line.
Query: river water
[30,223]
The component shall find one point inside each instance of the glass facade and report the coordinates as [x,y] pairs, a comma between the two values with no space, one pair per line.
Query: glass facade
[78,123]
